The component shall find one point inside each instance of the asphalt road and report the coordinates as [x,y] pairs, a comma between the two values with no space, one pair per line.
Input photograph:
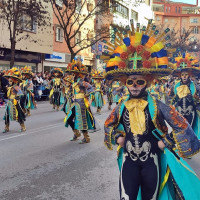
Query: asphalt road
[44,164]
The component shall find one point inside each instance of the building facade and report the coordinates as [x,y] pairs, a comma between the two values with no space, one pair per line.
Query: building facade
[120,16]
[178,16]
[32,43]
[61,55]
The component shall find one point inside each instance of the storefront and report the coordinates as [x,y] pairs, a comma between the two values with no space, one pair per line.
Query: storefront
[22,58]
[56,60]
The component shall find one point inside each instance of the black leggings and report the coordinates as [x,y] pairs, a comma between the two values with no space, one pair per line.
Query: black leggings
[70,120]
[138,174]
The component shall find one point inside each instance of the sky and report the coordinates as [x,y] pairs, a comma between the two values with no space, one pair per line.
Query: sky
[187,1]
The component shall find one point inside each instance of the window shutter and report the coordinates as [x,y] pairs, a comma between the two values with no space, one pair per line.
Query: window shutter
[57,34]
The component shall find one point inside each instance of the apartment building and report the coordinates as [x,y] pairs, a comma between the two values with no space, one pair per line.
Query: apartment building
[32,43]
[178,16]
[120,16]
[61,55]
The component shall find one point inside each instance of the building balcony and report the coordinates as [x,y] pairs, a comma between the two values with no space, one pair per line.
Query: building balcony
[191,10]
[158,8]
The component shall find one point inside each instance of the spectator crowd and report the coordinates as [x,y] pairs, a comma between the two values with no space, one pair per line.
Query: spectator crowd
[40,86]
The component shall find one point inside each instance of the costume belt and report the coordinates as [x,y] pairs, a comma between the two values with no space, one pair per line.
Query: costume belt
[79,96]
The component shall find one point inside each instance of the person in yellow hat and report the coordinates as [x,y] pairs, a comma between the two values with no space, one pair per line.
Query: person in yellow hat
[97,95]
[185,92]
[27,99]
[149,166]
[68,94]
[80,117]
[56,94]
[14,111]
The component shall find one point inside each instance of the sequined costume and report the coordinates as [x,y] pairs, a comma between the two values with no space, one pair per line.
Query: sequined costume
[143,148]
[115,92]
[27,99]
[97,95]
[14,111]
[68,95]
[150,167]
[57,94]
[80,117]
[185,98]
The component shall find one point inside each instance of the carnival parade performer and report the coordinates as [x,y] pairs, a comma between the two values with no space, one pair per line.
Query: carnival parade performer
[115,92]
[147,155]
[80,117]
[56,94]
[27,99]
[185,93]
[97,96]
[154,89]
[109,93]
[68,94]
[14,111]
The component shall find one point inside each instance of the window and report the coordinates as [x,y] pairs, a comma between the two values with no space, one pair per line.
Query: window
[176,9]
[166,20]
[179,10]
[157,18]
[148,2]
[134,15]
[196,30]
[59,34]
[169,8]
[193,20]
[166,9]
[78,5]
[59,3]
[122,10]
[78,37]
[27,23]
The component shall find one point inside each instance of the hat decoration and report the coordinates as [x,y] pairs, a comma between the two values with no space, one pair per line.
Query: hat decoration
[77,66]
[13,73]
[57,72]
[68,79]
[138,51]
[97,74]
[185,62]
[27,71]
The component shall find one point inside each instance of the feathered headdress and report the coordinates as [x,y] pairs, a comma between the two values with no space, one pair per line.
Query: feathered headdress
[185,62]
[97,74]
[138,51]
[58,71]
[77,66]
[27,71]
[13,73]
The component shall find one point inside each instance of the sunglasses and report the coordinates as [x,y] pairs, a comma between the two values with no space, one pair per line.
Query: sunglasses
[138,82]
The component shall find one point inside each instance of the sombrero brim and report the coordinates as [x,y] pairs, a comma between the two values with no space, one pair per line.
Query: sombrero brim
[98,77]
[14,77]
[26,73]
[67,80]
[152,71]
[190,70]
[78,72]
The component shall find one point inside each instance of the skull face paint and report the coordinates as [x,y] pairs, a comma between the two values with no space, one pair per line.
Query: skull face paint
[136,84]
[184,77]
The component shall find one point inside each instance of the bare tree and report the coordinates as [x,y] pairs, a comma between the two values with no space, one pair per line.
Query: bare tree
[182,39]
[20,16]
[75,16]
